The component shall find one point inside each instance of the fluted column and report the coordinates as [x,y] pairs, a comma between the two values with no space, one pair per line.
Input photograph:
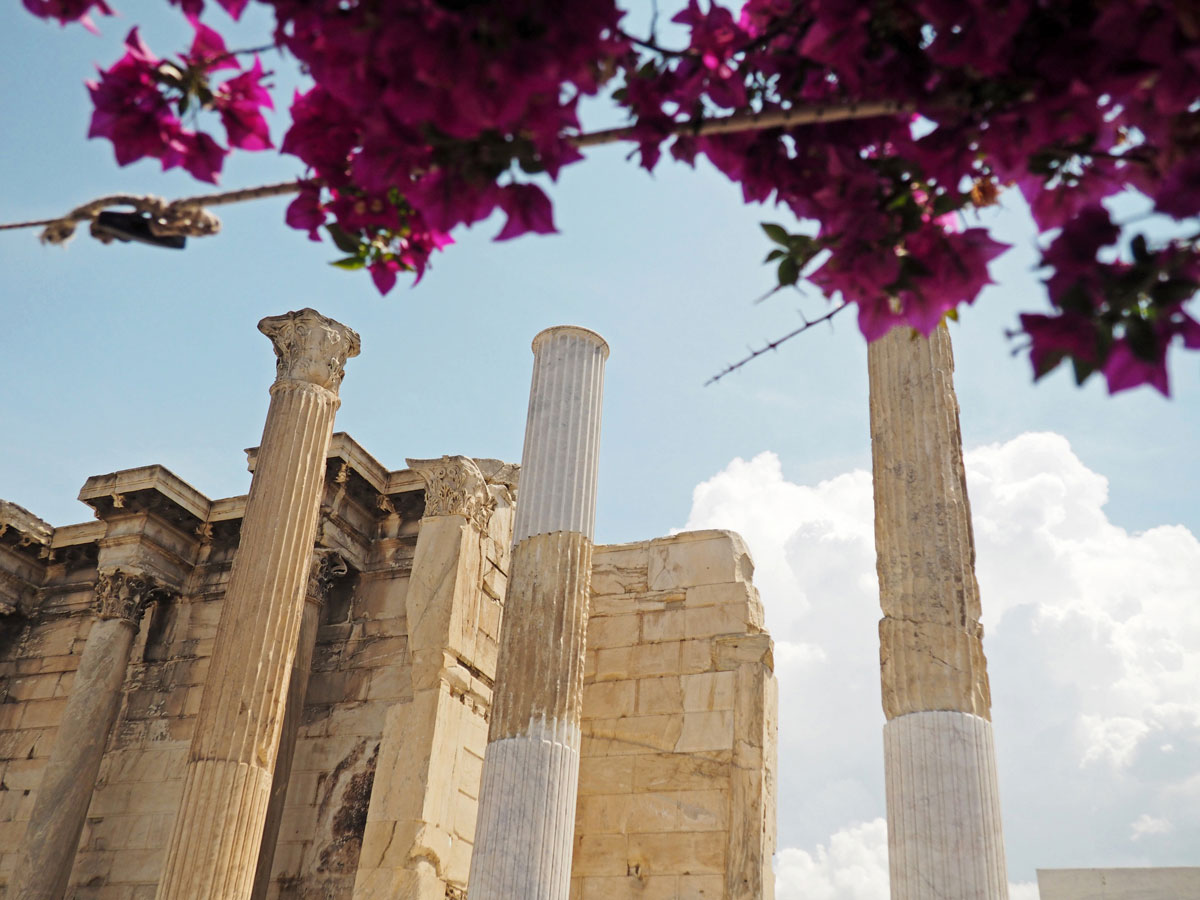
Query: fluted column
[227,783]
[523,839]
[327,566]
[65,791]
[944,835]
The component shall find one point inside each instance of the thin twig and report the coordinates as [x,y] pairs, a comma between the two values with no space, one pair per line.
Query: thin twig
[755,121]
[772,345]
[731,124]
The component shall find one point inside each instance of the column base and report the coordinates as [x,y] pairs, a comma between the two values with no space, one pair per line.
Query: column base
[943,808]
[527,799]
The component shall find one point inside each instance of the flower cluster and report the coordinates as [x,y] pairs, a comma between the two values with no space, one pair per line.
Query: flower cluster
[139,100]
[425,115]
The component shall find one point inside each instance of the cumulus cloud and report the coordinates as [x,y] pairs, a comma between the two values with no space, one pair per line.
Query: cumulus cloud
[1093,641]
[1146,824]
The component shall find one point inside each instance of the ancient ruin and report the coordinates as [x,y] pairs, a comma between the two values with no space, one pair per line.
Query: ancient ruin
[297,693]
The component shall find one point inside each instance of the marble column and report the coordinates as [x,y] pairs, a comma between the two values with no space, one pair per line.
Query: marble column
[944,834]
[327,567]
[214,845]
[526,822]
[65,792]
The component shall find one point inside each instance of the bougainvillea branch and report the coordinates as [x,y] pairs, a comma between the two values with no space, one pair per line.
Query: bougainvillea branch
[876,124]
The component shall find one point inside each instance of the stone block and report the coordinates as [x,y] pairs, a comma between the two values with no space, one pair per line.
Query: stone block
[652,812]
[689,853]
[647,660]
[698,557]
[707,691]
[664,625]
[603,813]
[43,713]
[639,733]
[606,699]
[710,621]
[599,854]
[678,772]
[659,695]
[609,664]
[619,569]
[706,731]
[601,775]
[631,887]
[613,631]
[703,810]
[702,887]
[731,652]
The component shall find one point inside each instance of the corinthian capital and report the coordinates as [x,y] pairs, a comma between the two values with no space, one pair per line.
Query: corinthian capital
[327,566]
[454,486]
[310,347]
[125,595]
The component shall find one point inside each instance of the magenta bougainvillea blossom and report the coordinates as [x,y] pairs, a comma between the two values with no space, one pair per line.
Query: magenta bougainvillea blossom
[139,100]
[427,115]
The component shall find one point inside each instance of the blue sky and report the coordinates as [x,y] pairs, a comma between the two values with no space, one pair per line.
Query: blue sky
[124,355]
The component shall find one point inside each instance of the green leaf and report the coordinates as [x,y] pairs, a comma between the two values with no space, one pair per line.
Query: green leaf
[775,233]
[1172,291]
[773,255]
[789,271]
[345,242]
[350,263]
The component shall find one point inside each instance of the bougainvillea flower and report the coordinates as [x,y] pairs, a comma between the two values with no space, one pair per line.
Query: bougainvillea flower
[1124,369]
[1051,338]
[528,210]
[239,101]
[208,49]
[69,11]
[306,212]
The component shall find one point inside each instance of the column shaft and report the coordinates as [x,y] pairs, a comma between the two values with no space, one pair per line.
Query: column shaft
[322,570]
[944,836]
[65,791]
[214,846]
[525,829]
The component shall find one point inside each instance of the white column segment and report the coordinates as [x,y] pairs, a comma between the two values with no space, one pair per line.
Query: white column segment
[562,434]
[943,807]
[529,788]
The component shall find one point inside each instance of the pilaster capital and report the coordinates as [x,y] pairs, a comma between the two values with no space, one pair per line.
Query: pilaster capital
[454,486]
[310,348]
[125,595]
[326,568]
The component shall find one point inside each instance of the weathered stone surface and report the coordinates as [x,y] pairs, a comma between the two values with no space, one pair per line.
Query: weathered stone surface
[697,558]
[1166,883]
[677,776]
[213,850]
[531,768]
[929,666]
[944,834]
[924,545]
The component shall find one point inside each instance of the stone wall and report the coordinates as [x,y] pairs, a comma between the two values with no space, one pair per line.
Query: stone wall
[676,797]
[676,784]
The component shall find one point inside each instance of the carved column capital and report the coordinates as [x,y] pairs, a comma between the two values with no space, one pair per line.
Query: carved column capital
[125,595]
[310,347]
[454,486]
[327,567]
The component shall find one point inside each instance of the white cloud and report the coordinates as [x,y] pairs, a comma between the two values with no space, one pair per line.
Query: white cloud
[1146,824]
[1093,642]
[854,867]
